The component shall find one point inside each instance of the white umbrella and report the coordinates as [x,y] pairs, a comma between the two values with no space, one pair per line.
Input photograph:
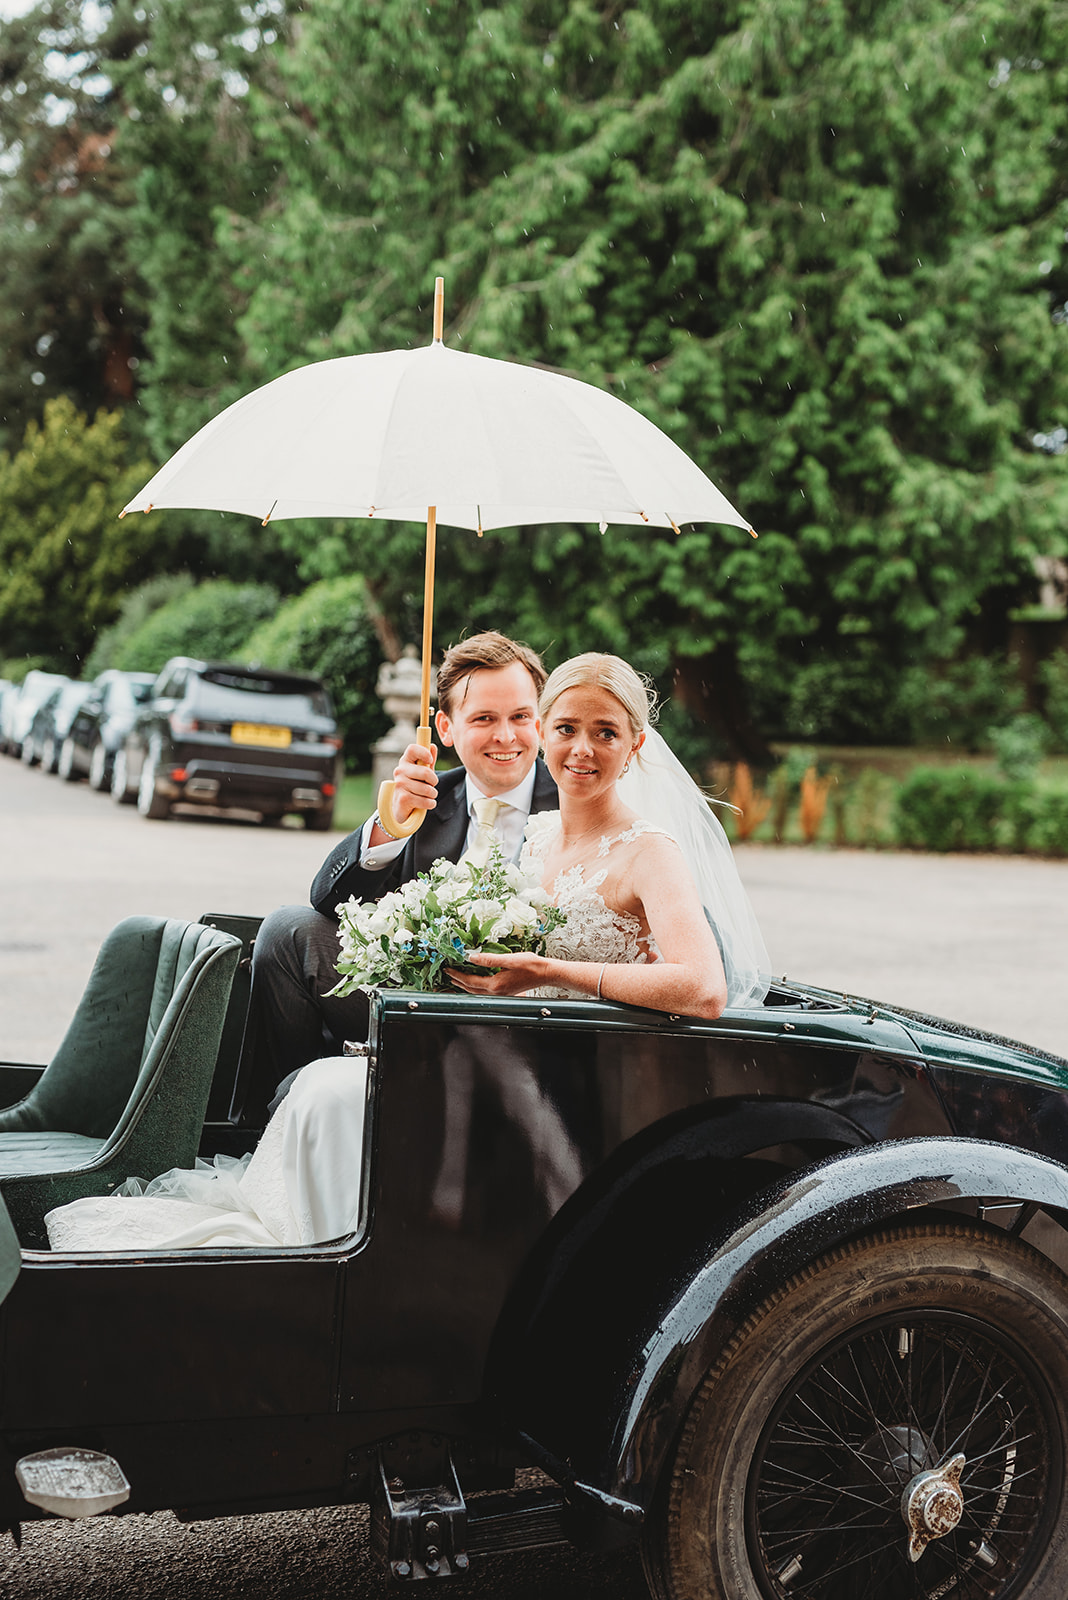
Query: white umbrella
[438,434]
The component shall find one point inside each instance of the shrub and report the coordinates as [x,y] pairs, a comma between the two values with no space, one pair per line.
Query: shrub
[15,669]
[212,620]
[326,630]
[1048,833]
[870,801]
[135,610]
[1020,809]
[750,806]
[949,808]
[785,786]
[1053,677]
[814,788]
[962,703]
[1020,745]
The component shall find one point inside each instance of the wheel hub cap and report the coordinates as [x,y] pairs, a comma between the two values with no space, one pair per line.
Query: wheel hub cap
[932,1505]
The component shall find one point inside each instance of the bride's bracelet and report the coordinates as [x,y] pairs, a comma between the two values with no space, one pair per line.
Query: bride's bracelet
[600,976]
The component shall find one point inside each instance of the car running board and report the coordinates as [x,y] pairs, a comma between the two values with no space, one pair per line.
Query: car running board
[71,1482]
[430,1531]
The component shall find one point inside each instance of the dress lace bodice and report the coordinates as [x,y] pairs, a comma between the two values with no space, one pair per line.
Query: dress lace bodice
[593,930]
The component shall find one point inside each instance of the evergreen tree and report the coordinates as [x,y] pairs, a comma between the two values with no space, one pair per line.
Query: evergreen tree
[65,556]
[820,246]
[67,326]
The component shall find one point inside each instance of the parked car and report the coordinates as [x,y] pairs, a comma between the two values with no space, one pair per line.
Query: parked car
[20,711]
[101,724]
[779,1298]
[51,724]
[219,735]
[8,696]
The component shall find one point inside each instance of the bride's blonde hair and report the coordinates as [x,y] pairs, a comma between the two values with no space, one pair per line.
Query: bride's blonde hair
[603,672]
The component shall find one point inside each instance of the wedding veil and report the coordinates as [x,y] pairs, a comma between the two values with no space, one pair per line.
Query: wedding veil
[659,788]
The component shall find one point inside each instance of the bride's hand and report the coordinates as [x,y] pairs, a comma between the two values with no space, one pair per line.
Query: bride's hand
[516,974]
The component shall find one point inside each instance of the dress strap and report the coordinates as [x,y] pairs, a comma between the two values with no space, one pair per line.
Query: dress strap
[634,831]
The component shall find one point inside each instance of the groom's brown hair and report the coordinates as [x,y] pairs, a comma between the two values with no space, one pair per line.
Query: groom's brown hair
[484,652]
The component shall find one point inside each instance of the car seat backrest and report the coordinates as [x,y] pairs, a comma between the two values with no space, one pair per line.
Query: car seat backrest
[92,1074]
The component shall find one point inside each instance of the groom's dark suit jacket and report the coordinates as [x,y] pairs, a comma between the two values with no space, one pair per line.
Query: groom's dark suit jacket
[444,833]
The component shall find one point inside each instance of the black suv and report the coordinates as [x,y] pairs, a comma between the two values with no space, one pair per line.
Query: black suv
[219,735]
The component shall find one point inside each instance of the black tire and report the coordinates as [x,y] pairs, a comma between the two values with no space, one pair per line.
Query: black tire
[873,1365]
[319,821]
[149,803]
[99,767]
[121,792]
[65,764]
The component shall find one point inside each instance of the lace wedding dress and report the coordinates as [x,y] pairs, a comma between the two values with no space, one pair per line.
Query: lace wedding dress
[300,1186]
[593,931]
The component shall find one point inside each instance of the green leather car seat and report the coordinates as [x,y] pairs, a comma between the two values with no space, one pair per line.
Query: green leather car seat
[125,1094]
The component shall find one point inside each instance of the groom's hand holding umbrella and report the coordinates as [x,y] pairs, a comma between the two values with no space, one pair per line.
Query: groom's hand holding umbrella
[415,788]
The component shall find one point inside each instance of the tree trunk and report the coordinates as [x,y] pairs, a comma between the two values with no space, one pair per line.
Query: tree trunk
[712,690]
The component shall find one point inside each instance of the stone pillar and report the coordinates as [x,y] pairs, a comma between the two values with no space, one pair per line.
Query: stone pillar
[399,687]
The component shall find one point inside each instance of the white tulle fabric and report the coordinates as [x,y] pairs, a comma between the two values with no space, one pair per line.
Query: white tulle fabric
[659,788]
[593,931]
[300,1186]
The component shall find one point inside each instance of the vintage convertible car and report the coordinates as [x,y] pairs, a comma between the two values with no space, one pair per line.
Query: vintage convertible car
[780,1297]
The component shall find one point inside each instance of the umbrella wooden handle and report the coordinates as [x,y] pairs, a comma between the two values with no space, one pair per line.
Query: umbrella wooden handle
[390,822]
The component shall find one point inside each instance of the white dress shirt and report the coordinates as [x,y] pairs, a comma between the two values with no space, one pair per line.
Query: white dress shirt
[509,826]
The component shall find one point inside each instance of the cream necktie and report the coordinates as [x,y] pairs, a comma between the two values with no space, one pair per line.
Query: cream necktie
[485,809]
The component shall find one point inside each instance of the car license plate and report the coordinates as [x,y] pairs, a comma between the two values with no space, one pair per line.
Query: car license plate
[273,738]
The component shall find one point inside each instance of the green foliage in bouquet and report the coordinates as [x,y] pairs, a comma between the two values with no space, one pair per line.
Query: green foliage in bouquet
[408,938]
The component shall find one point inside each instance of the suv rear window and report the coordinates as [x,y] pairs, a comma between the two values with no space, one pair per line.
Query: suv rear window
[230,696]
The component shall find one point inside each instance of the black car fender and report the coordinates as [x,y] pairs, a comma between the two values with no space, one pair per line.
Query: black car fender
[600,1401]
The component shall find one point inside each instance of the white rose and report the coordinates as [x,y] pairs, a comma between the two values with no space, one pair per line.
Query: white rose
[522,917]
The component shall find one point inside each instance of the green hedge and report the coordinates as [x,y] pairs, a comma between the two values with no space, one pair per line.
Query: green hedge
[326,630]
[212,621]
[959,808]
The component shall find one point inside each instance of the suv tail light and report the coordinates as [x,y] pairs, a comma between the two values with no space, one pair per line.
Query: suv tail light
[181,725]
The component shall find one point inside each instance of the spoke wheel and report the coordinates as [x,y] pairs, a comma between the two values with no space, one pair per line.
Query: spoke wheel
[851,1394]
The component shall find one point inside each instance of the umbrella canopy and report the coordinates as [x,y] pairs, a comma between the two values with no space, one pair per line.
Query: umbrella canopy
[491,444]
[440,434]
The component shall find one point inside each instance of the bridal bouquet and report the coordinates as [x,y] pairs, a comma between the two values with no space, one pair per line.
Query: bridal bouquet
[406,939]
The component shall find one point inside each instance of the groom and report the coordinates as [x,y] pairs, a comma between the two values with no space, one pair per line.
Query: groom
[488,688]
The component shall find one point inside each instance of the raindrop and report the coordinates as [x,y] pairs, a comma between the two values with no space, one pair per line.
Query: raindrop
[37,378]
[1045,266]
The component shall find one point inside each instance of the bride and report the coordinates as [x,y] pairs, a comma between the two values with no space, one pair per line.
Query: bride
[656,916]
[656,912]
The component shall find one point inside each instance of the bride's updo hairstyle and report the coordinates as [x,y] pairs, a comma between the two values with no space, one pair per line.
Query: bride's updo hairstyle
[602,672]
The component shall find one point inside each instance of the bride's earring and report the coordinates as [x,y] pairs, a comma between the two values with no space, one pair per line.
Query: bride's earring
[626,769]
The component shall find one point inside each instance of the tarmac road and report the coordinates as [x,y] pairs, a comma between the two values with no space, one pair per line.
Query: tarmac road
[980,939]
